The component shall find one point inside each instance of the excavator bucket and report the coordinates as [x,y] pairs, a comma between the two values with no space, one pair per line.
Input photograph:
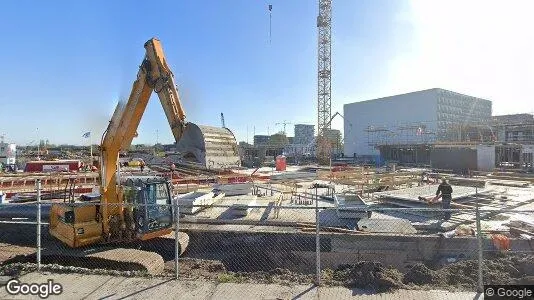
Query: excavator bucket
[209,147]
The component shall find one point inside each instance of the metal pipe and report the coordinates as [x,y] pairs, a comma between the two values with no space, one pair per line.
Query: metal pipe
[480,247]
[176,238]
[38,224]
[317,241]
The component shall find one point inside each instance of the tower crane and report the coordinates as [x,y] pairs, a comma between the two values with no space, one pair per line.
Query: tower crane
[284,124]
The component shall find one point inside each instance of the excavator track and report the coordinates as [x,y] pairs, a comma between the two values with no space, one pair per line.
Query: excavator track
[147,256]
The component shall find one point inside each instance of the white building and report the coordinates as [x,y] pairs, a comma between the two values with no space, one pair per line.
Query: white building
[412,118]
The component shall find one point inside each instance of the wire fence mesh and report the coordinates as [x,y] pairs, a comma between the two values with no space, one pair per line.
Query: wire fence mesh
[276,237]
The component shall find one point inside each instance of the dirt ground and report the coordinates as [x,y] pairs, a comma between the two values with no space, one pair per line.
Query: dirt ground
[373,276]
[462,275]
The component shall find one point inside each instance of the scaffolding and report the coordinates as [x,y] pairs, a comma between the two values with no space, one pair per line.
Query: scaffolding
[400,133]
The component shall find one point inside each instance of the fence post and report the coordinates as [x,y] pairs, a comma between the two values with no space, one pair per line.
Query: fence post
[38,224]
[480,246]
[176,239]
[317,241]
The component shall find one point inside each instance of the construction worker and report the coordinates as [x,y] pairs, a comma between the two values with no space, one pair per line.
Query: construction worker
[173,168]
[445,193]
[142,165]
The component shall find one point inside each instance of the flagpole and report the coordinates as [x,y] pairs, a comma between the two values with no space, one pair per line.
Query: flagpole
[91,147]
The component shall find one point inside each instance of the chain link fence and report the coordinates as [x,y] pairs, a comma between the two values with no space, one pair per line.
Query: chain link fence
[279,237]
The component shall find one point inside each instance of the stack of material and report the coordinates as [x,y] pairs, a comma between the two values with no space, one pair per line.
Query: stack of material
[293,175]
[511,183]
[193,202]
[472,182]
[243,209]
[234,189]
[186,188]
[522,227]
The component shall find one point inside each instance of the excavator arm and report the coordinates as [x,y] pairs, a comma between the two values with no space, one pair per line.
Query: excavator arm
[117,217]
[211,147]
[154,75]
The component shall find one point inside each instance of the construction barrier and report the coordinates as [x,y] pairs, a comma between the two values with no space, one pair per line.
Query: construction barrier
[293,239]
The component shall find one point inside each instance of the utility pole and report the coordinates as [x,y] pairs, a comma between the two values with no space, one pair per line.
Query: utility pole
[38,145]
[91,148]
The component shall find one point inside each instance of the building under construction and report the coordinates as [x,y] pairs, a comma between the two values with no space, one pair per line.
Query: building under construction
[438,128]
[505,142]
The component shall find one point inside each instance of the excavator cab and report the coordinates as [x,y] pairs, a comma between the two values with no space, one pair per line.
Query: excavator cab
[146,212]
[151,202]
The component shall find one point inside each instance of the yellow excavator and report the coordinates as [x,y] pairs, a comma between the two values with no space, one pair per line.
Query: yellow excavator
[138,208]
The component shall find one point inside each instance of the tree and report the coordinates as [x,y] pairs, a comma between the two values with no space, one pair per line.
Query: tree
[278,139]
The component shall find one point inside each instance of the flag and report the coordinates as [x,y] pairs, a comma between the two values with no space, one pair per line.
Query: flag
[87,134]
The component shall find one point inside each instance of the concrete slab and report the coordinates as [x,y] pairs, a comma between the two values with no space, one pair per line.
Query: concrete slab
[412,194]
[293,175]
[188,201]
[387,225]
[243,209]
[234,189]
[350,206]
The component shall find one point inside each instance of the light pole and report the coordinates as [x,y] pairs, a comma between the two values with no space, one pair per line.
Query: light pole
[157,141]
[38,145]
[91,147]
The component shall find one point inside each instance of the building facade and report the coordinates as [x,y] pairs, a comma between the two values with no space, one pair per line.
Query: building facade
[261,140]
[516,128]
[420,117]
[334,136]
[304,134]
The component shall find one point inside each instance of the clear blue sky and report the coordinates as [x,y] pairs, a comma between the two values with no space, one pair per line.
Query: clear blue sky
[66,63]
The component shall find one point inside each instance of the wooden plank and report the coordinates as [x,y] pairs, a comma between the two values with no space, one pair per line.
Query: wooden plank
[518,231]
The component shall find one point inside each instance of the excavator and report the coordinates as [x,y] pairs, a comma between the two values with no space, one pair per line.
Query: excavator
[133,207]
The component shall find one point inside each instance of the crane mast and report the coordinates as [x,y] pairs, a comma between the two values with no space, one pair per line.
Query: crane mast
[324,73]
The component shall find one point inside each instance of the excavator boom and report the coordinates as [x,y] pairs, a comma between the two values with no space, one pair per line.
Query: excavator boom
[119,217]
